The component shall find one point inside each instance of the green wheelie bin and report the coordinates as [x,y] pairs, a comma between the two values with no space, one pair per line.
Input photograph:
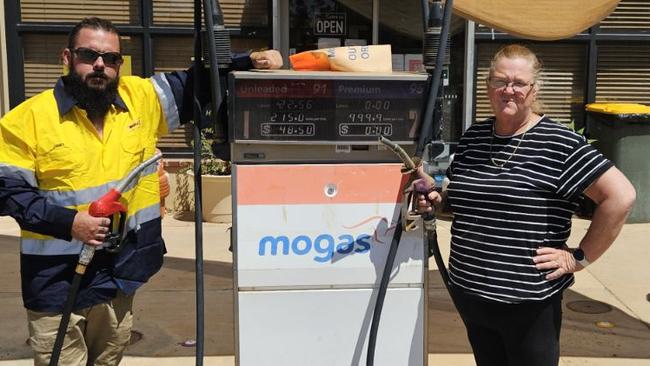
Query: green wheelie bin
[622,134]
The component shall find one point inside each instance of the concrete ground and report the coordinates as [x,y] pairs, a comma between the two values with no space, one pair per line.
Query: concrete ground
[606,313]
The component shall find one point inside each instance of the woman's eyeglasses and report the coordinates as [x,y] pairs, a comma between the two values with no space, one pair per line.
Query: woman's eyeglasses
[89,56]
[517,86]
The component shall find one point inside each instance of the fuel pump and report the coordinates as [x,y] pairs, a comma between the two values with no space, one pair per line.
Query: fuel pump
[317,235]
[315,203]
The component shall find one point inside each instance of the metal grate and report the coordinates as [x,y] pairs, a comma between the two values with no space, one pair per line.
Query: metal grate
[629,15]
[589,307]
[623,74]
[237,13]
[59,11]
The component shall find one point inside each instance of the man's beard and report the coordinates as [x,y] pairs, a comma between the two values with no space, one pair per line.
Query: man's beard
[95,101]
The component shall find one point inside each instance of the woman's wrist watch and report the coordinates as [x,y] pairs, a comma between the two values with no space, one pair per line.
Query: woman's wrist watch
[579,256]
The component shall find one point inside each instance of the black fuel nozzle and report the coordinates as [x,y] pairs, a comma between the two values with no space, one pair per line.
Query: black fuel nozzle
[114,239]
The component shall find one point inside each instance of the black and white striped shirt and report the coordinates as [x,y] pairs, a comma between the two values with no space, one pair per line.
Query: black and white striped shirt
[510,196]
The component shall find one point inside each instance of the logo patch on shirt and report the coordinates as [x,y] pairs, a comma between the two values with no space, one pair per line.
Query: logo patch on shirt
[134,125]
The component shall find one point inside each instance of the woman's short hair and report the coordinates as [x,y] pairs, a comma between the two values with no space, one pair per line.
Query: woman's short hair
[518,51]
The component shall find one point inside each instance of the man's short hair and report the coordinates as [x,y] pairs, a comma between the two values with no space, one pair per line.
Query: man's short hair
[92,23]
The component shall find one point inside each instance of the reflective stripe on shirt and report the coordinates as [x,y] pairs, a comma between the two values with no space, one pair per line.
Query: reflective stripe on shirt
[86,196]
[164,91]
[26,174]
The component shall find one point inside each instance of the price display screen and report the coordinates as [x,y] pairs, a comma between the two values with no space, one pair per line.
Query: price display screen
[331,110]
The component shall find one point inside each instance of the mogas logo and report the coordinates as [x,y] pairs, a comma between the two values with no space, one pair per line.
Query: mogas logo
[325,245]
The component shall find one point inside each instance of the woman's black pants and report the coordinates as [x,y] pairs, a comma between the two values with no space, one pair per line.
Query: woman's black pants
[525,334]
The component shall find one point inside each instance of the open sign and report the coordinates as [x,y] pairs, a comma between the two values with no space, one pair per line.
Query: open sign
[330,24]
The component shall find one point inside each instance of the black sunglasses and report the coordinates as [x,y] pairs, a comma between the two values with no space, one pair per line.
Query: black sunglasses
[87,55]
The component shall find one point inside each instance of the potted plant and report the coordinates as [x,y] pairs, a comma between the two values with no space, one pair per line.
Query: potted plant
[216,200]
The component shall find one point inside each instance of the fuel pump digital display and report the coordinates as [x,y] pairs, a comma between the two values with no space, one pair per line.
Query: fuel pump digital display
[336,108]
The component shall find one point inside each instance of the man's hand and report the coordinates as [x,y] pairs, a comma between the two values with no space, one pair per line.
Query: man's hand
[90,230]
[269,59]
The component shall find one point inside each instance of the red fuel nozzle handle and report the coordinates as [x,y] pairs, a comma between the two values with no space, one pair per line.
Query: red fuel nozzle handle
[108,205]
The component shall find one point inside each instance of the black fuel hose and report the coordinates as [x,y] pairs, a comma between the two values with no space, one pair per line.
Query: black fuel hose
[381,293]
[65,319]
[198,217]
[427,119]
[212,14]
[425,131]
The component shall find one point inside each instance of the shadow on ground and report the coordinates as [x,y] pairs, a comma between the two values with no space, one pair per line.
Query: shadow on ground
[583,332]
[165,315]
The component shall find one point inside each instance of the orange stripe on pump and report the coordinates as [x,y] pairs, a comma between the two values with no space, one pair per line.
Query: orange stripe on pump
[318,184]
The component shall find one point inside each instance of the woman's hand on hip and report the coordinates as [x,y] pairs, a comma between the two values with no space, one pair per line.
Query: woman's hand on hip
[561,261]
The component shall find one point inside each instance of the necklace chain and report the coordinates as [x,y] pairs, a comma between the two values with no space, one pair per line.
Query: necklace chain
[504,162]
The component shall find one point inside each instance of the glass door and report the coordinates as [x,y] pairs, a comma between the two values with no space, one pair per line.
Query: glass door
[317,24]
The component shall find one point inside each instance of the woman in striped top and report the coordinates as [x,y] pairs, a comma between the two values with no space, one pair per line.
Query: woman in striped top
[514,184]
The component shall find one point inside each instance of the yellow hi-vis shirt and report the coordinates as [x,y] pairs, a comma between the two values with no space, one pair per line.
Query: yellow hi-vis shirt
[51,145]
